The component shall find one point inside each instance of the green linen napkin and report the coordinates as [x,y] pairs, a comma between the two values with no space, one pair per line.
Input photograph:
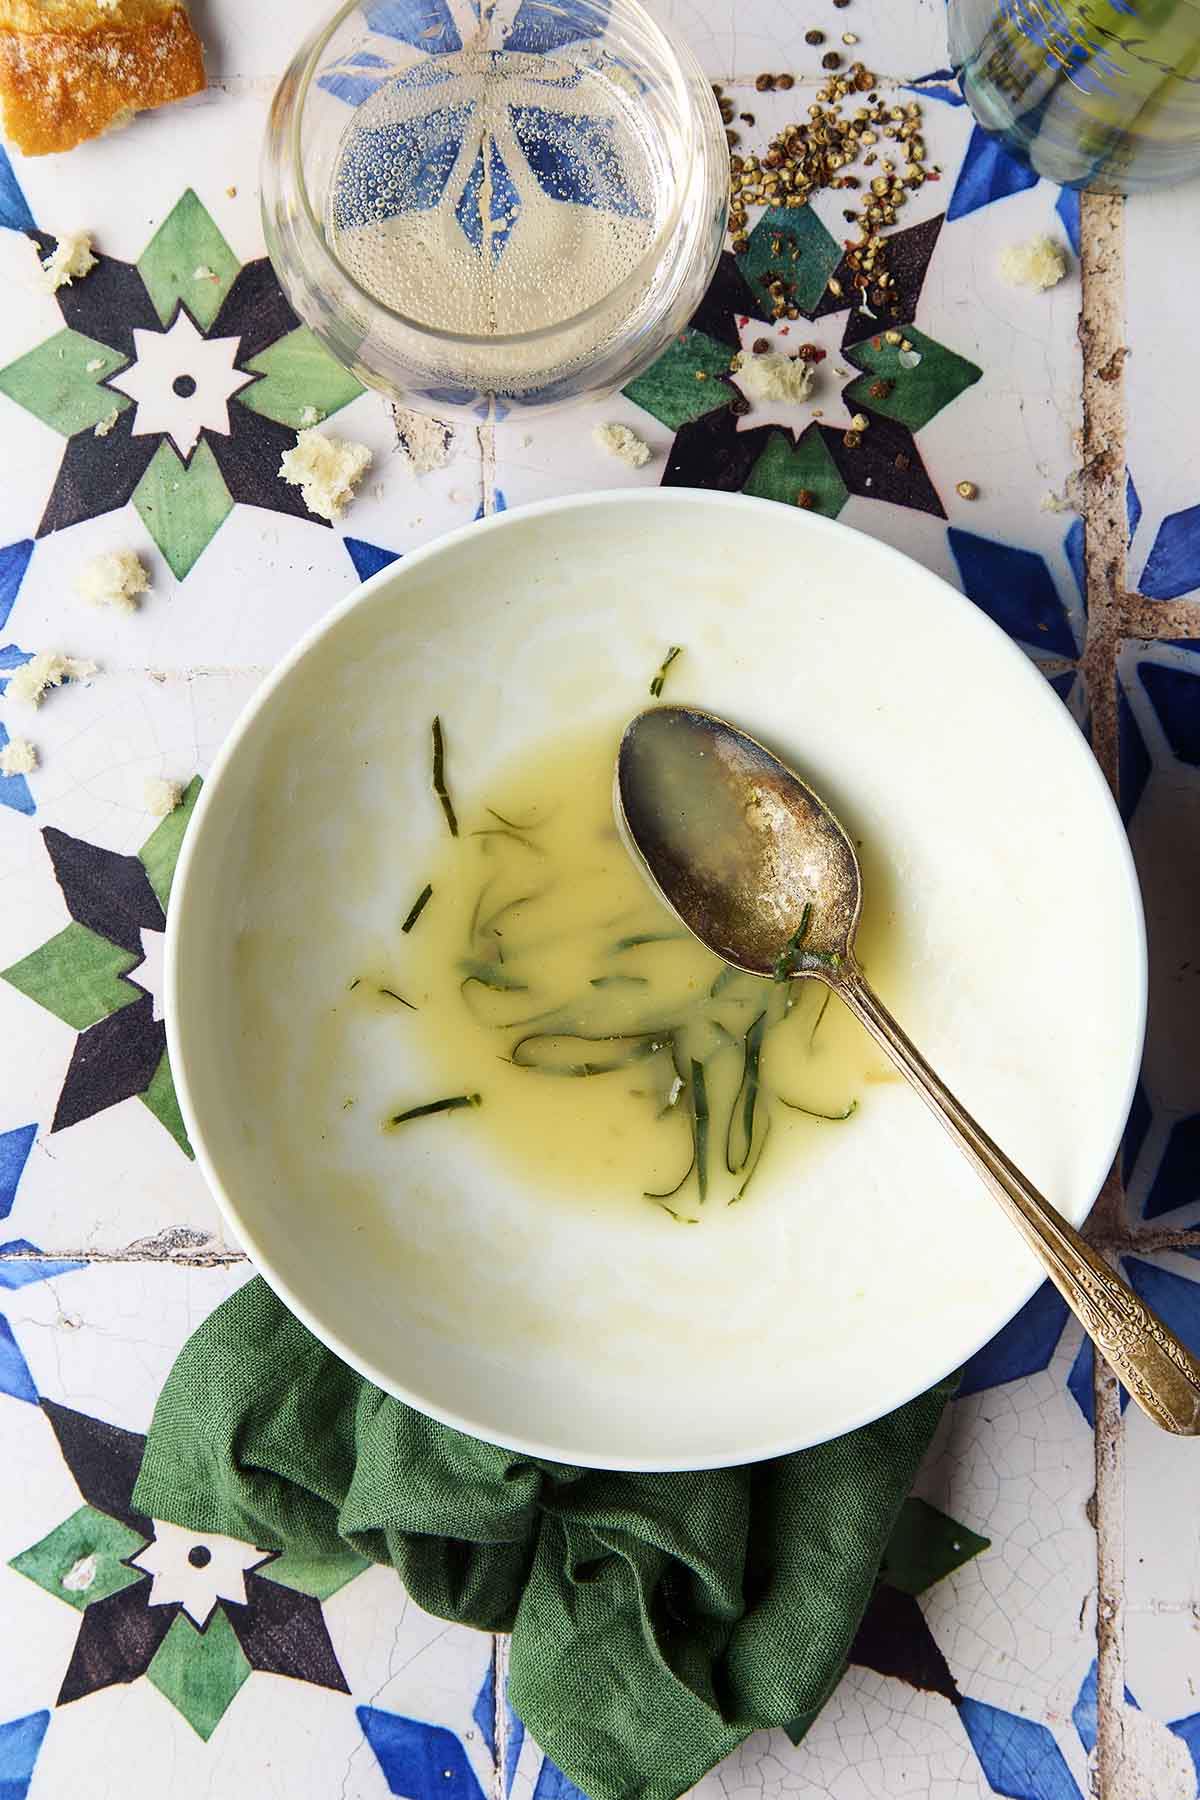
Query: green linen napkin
[656,1620]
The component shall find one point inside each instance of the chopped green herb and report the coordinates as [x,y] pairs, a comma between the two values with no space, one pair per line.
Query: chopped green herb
[817,1023]
[488,925]
[489,975]
[393,995]
[810,1112]
[656,686]
[746,1100]
[604,981]
[511,823]
[418,907]
[700,1125]
[453,1104]
[679,1218]
[785,962]
[439,777]
[354,984]
[506,831]
[646,937]
[550,1052]
[752,1170]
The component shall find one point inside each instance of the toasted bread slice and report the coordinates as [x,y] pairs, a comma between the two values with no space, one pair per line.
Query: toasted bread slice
[70,69]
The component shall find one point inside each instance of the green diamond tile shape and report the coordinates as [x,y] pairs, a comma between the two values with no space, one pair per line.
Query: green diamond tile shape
[684,383]
[319,1576]
[182,506]
[188,240]
[200,1672]
[805,258]
[160,852]
[298,372]
[785,468]
[76,976]
[83,1559]
[54,383]
[919,394]
[926,1545]
[163,1102]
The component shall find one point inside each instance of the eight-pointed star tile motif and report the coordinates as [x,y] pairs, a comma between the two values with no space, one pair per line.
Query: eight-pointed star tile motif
[196,1570]
[181,382]
[197,373]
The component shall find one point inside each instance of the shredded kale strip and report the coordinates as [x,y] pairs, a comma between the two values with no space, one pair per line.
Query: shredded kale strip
[746,1099]
[490,975]
[646,937]
[439,777]
[700,1127]
[656,686]
[393,995]
[418,907]
[452,1104]
[606,981]
[785,962]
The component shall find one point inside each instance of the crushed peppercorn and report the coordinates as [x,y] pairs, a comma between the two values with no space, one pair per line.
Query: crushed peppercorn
[966,490]
[806,498]
[814,37]
[879,390]
[902,462]
[764,83]
[831,60]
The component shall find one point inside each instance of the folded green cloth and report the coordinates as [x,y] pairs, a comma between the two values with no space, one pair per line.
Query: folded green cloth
[656,1620]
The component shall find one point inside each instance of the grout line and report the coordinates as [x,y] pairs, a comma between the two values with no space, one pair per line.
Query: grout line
[487,466]
[133,1253]
[1102,491]
[500,1698]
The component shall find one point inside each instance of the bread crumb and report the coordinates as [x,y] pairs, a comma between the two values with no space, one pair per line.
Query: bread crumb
[162,796]
[18,757]
[1039,264]
[774,376]
[70,257]
[204,273]
[48,669]
[326,470]
[115,578]
[310,416]
[624,444]
[105,425]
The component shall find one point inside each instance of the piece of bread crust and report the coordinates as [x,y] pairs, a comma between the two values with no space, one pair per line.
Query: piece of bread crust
[70,69]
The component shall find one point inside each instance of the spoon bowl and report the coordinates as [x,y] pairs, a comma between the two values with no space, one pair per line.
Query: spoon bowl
[756,866]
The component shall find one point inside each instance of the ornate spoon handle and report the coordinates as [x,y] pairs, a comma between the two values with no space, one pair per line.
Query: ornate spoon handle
[1161,1373]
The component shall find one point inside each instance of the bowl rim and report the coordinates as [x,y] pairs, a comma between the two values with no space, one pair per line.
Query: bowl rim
[193,849]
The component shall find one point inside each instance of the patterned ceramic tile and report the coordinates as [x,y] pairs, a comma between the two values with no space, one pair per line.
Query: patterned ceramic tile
[205,1655]
[1163,402]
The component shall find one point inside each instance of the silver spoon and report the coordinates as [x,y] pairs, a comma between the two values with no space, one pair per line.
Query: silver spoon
[758,868]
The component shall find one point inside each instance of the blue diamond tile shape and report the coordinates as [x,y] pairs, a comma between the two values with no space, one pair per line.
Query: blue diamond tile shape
[1019,1757]
[353,89]
[484,1710]
[1136,1127]
[503,209]
[426,24]
[1024,1346]
[1079,1383]
[1133,506]
[1173,1297]
[1073,551]
[1067,208]
[1177,1179]
[1133,758]
[539,27]
[14,560]
[552,1784]
[368,559]
[1084,1714]
[1175,696]
[24,1273]
[1189,1730]
[1015,588]
[419,1761]
[14,208]
[397,168]
[15,1378]
[574,158]
[988,173]
[1173,565]
[14,789]
[20,1741]
[15,1146]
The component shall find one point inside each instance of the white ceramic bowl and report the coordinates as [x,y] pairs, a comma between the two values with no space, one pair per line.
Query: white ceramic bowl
[864,1271]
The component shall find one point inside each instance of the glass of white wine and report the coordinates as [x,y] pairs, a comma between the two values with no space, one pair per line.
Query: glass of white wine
[483,207]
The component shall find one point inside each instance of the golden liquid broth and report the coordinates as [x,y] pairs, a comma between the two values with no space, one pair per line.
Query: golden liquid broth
[555,895]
